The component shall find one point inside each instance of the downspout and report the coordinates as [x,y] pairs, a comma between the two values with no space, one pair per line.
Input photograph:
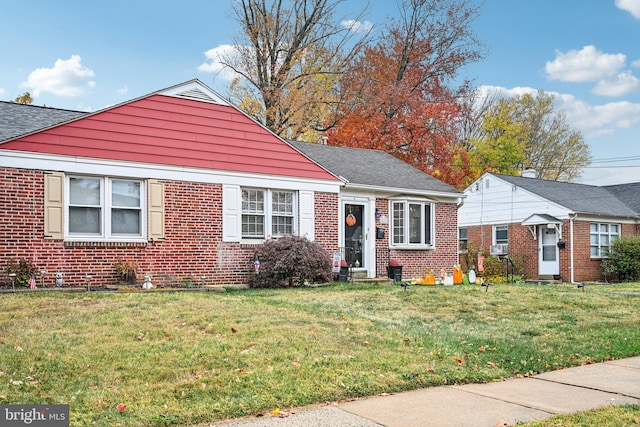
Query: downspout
[572,216]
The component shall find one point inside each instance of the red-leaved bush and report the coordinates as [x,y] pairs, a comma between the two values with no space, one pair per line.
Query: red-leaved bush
[290,261]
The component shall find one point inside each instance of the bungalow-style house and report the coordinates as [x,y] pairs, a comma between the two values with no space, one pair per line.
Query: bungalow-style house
[389,209]
[557,230]
[186,185]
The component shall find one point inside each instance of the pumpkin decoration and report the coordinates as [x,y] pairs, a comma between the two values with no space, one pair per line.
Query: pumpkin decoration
[457,274]
[351,220]
[428,279]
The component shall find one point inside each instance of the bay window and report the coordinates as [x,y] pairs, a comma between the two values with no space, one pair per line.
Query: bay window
[411,224]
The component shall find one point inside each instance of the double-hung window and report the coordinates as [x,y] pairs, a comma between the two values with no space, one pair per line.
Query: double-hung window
[501,234]
[601,238]
[412,224]
[104,208]
[463,239]
[268,213]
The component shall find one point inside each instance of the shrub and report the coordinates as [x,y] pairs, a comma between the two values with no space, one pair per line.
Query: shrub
[624,259]
[290,261]
[127,270]
[23,269]
[495,269]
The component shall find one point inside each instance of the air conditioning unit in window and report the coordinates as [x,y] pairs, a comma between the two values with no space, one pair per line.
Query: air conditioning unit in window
[500,249]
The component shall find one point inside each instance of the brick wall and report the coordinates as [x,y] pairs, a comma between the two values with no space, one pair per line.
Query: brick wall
[523,248]
[192,252]
[415,262]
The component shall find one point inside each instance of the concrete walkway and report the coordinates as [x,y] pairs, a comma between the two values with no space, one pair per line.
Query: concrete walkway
[483,405]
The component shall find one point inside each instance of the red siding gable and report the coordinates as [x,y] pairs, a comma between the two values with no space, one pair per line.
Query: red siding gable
[174,131]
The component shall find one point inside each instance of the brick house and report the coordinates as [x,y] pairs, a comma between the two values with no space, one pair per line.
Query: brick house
[555,229]
[187,185]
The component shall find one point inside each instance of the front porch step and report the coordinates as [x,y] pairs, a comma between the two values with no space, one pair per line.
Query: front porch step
[543,280]
[373,281]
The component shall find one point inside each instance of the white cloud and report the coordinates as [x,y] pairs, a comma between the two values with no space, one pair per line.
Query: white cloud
[588,64]
[213,63]
[123,90]
[636,64]
[631,6]
[620,85]
[596,120]
[591,120]
[2,91]
[358,27]
[66,78]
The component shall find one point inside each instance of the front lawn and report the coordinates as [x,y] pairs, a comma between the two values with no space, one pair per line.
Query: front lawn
[170,358]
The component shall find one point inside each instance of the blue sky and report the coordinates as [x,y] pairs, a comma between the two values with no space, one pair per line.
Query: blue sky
[88,55]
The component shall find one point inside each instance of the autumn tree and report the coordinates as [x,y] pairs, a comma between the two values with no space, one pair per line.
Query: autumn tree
[527,131]
[404,100]
[25,98]
[289,59]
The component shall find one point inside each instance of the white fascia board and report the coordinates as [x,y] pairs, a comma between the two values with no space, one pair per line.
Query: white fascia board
[390,192]
[578,216]
[103,167]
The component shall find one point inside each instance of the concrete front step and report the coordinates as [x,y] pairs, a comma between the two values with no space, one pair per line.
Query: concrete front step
[542,281]
[373,281]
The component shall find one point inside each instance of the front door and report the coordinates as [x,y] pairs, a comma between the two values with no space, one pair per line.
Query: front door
[354,235]
[548,262]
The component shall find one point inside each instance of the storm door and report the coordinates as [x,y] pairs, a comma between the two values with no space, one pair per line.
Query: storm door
[354,235]
[548,262]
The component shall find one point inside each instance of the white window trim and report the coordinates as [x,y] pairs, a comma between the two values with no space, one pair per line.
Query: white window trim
[602,248]
[105,205]
[406,245]
[494,233]
[466,240]
[268,214]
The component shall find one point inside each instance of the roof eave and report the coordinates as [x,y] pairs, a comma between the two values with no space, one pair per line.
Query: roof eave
[412,191]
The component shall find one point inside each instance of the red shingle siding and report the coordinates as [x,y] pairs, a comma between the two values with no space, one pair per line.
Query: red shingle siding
[174,131]
[192,252]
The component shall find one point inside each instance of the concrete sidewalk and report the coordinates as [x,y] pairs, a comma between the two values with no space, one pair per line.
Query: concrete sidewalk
[482,405]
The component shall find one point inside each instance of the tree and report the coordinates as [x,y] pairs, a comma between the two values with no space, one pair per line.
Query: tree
[403,100]
[289,59]
[526,131]
[25,98]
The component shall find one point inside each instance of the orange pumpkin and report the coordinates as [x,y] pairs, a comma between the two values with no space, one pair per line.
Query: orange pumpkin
[457,276]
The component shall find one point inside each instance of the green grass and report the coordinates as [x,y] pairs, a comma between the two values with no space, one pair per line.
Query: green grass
[612,416]
[189,357]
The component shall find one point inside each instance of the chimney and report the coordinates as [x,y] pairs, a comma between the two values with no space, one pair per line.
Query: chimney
[324,140]
[529,173]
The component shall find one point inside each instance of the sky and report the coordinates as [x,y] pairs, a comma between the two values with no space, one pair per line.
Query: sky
[86,56]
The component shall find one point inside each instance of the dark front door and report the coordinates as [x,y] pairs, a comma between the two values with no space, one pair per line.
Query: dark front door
[354,229]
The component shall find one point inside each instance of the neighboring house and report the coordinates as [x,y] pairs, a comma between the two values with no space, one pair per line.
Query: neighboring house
[187,185]
[557,229]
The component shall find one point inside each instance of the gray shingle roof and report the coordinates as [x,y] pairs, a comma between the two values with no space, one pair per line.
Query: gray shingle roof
[19,119]
[579,198]
[629,194]
[372,168]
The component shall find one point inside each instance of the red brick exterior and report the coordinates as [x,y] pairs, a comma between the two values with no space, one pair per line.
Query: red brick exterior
[523,249]
[192,252]
[415,262]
